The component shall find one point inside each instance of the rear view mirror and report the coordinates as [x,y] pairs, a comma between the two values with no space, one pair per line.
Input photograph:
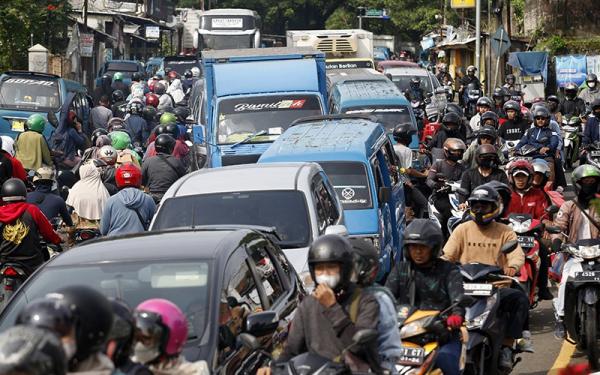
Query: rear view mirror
[364,336]
[429,94]
[385,194]
[340,230]
[261,323]
[509,247]
[249,341]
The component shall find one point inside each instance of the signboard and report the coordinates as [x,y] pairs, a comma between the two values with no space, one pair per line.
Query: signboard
[152,32]
[227,23]
[500,41]
[462,3]
[376,13]
[350,64]
[570,68]
[593,64]
[86,45]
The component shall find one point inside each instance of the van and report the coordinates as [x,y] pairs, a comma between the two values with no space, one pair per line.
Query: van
[24,93]
[359,160]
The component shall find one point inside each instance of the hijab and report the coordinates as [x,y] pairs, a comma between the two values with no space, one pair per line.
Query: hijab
[88,196]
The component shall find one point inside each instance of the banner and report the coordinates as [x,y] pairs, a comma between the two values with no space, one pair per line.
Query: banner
[86,44]
[593,64]
[571,68]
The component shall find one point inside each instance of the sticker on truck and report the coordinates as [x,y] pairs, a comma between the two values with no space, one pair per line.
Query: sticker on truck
[227,23]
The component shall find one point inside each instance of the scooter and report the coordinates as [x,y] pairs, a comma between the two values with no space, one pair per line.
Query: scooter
[571,127]
[450,191]
[85,234]
[473,95]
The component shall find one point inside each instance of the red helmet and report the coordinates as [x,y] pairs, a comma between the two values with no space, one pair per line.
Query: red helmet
[519,165]
[128,175]
[172,75]
[152,100]
[151,84]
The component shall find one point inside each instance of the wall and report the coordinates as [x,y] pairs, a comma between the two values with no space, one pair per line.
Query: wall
[564,17]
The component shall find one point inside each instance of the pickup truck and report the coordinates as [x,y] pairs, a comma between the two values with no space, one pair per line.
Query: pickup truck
[251,96]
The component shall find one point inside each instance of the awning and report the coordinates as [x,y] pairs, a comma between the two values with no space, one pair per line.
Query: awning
[456,43]
[131,28]
[142,21]
[103,36]
[530,63]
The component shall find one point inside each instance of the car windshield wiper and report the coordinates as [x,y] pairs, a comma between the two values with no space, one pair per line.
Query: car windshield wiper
[249,138]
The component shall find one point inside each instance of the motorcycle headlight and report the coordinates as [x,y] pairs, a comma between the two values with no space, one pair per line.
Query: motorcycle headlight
[478,321]
[414,328]
[520,227]
[589,252]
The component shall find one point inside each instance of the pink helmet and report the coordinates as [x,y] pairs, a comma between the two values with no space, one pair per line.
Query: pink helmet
[164,315]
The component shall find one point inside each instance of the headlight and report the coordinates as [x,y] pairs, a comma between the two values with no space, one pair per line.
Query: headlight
[520,227]
[589,252]
[478,321]
[414,328]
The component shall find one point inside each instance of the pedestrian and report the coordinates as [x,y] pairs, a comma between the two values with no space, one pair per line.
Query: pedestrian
[88,197]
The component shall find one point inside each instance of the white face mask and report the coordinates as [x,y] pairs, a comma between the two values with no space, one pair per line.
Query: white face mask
[330,280]
[70,348]
[591,85]
[143,354]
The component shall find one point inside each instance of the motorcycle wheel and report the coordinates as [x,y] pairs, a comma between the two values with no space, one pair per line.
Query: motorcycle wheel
[591,335]
[569,158]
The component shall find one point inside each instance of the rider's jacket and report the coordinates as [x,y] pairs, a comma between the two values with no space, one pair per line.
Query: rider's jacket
[539,137]
[532,202]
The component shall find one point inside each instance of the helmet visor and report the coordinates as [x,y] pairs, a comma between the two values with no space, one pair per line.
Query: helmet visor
[149,329]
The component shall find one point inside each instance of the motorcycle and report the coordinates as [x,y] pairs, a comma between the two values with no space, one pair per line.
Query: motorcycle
[473,93]
[593,154]
[450,190]
[421,332]
[484,321]
[571,128]
[13,274]
[85,234]
[417,107]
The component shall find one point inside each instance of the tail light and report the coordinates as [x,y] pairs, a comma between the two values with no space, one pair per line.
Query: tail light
[9,271]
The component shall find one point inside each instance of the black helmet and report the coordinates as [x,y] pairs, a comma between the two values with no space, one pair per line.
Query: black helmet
[93,316]
[488,152]
[453,107]
[182,114]
[14,190]
[159,88]
[489,116]
[595,104]
[135,107]
[366,261]
[160,129]
[32,351]
[571,90]
[512,105]
[403,132]
[106,79]
[591,78]
[172,129]
[451,118]
[499,94]
[122,331]
[541,111]
[423,232]
[553,98]
[332,248]
[97,133]
[484,193]
[415,82]
[510,79]
[505,193]
[487,131]
[49,313]
[188,74]
[117,96]
[164,144]
[484,101]
[136,76]
[149,113]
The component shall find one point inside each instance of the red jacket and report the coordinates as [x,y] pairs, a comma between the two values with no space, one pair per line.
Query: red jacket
[17,168]
[533,202]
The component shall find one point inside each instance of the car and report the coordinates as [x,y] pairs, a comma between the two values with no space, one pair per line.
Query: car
[179,64]
[296,199]
[382,65]
[127,67]
[152,65]
[358,157]
[218,276]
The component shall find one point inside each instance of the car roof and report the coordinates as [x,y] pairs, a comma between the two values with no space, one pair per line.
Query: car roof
[358,92]
[168,245]
[255,177]
[397,63]
[360,74]
[326,140]
[406,71]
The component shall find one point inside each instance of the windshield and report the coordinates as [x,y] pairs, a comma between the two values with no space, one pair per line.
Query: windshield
[284,210]
[122,67]
[388,116]
[228,41]
[183,283]
[241,117]
[403,81]
[36,94]
[351,183]
[181,66]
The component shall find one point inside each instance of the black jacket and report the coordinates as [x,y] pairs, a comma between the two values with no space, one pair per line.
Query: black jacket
[52,205]
[160,172]
[440,137]
[513,130]
[472,179]
[575,107]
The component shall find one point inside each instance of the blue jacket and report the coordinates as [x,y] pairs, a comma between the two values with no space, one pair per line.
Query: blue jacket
[51,205]
[138,129]
[533,136]
[592,131]
[119,215]
[388,341]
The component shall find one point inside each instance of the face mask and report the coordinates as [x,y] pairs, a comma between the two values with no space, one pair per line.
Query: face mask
[143,354]
[70,348]
[330,280]
[591,85]
[588,192]
[453,157]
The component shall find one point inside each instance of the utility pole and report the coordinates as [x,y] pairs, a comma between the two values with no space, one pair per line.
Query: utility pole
[361,13]
[477,34]
[85,13]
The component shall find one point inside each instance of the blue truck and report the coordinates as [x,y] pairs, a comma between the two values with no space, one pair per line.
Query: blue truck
[251,96]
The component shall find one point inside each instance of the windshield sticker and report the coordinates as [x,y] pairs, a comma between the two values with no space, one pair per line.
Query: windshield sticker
[283,104]
[227,23]
[377,110]
[31,82]
[352,194]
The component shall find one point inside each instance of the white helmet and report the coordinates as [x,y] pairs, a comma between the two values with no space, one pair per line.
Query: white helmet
[108,154]
[196,72]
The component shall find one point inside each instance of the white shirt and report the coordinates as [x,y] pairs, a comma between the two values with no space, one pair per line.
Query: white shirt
[404,155]
[584,231]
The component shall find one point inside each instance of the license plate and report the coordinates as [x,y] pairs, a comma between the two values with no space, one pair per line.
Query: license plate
[595,153]
[17,125]
[526,241]
[474,289]
[411,356]
[588,276]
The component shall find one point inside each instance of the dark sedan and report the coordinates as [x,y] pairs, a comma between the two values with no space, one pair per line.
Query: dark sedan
[226,280]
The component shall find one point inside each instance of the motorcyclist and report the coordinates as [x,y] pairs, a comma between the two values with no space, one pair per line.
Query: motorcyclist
[136,125]
[109,156]
[181,150]
[515,126]
[31,351]
[498,97]
[427,282]
[592,90]
[51,205]
[130,210]
[100,114]
[553,103]
[187,81]
[181,115]
[105,88]
[526,199]
[152,100]
[591,133]
[118,84]
[159,172]
[166,103]
[366,270]
[403,134]
[92,152]
[484,104]
[487,169]
[88,197]
[161,332]
[466,80]
[571,105]
[443,76]
[23,224]
[119,347]
[579,220]
[451,128]
[415,92]
[122,143]
[486,135]
[479,241]
[541,176]
[509,82]
[31,147]
[541,137]
[119,104]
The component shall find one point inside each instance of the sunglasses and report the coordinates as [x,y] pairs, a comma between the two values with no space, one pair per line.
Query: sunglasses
[540,118]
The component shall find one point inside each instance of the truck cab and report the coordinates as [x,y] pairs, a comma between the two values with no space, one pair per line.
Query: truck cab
[228,29]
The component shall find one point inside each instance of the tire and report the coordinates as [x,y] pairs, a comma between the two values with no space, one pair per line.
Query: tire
[569,157]
[591,335]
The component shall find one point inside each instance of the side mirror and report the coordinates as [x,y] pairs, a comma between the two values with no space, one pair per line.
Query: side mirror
[364,336]
[249,341]
[340,230]
[509,247]
[385,194]
[553,230]
[261,323]
[441,90]
[427,100]
[52,119]
[552,209]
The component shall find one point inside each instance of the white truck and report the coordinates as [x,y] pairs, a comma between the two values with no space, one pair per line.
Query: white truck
[228,29]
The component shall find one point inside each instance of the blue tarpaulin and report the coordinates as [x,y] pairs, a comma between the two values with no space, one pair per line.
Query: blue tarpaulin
[530,63]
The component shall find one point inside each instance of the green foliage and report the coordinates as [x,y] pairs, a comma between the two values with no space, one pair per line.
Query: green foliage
[518,8]
[558,45]
[46,20]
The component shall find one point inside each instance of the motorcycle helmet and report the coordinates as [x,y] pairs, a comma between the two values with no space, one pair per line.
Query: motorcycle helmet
[14,190]
[571,91]
[489,118]
[161,323]
[484,205]
[168,118]
[181,114]
[108,154]
[164,144]
[471,70]
[519,166]
[512,105]
[152,100]
[487,156]
[487,131]
[115,123]
[92,316]
[498,95]
[423,232]
[553,99]
[122,332]
[172,129]
[150,113]
[541,167]
[118,77]
[136,77]
[117,96]
[584,192]
[454,148]
[128,175]
[44,174]
[403,133]
[591,80]
[415,82]
[32,351]
[196,72]
[187,74]
[484,101]
[172,75]
[160,88]
[510,79]
[136,107]
[97,133]
[332,248]
[120,140]
[36,123]
[451,122]
[453,107]
[366,261]
[541,112]
[505,193]
[152,85]
[106,79]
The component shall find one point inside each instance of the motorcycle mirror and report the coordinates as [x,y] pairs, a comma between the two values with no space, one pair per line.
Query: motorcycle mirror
[248,341]
[429,94]
[552,209]
[553,230]
[509,247]
[364,336]
[52,119]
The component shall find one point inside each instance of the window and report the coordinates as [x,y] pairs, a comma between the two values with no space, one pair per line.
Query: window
[378,176]
[267,273]
[327,213]
[391,162]
[351,183]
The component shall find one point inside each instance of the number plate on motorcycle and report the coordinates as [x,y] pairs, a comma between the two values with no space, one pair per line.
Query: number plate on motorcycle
[595,153]
[587,276]
[474,289]
[526,241]
[411,356]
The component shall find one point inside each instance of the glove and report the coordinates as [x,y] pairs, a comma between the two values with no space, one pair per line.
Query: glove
[454,321]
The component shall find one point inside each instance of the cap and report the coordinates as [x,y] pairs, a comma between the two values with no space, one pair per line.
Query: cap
[520,171]
[43,173]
